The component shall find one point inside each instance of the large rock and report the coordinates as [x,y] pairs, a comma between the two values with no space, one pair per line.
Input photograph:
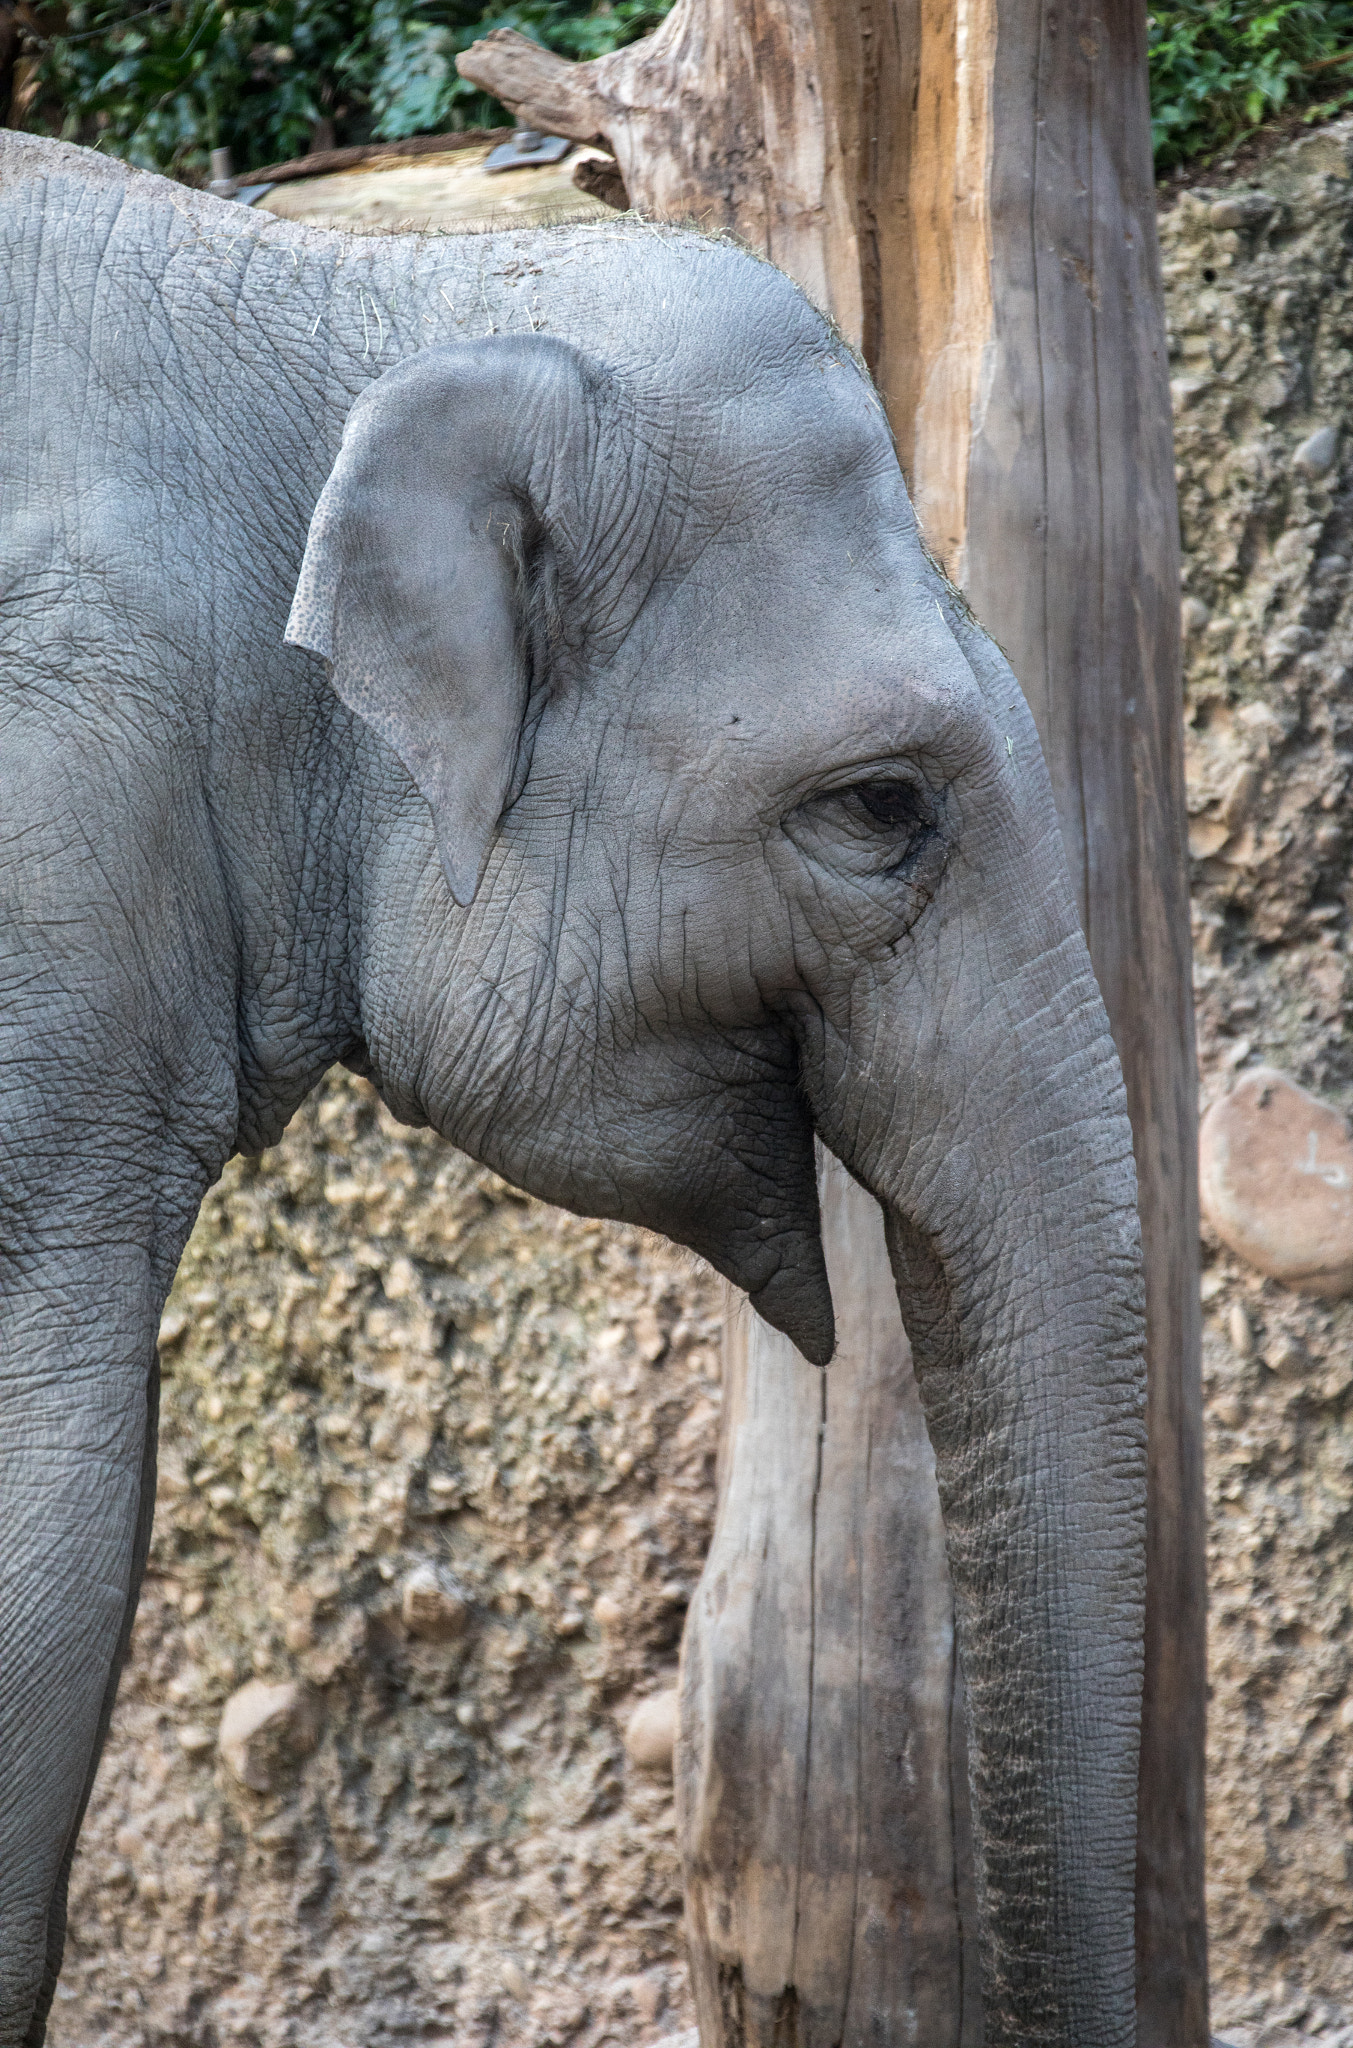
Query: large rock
[1276,1182]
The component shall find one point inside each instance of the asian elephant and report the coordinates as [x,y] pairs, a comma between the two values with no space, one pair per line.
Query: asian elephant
[509,664]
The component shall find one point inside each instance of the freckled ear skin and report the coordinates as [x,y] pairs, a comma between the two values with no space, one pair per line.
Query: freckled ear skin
[409,585]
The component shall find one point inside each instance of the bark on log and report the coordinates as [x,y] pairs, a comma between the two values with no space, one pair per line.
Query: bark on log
[967,187]
[821,1771]
[1073,560]
[727,117]
[319,163]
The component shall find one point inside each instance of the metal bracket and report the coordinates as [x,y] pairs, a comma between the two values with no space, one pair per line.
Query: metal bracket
[528,146]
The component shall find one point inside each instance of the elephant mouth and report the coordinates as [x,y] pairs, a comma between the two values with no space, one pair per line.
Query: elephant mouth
[753,1214]
[710,1144]
[767,1226]
[795,1296]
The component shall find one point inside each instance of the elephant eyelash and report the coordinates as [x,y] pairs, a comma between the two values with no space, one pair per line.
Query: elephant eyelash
[903,820]
[895,806]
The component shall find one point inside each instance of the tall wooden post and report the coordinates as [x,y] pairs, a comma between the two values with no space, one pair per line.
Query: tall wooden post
[822,1772]
[966,185]
[1036,426]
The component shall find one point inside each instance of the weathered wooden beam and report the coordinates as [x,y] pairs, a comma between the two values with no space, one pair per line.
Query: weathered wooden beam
[821,1768]
[1035,420]
[1073,545]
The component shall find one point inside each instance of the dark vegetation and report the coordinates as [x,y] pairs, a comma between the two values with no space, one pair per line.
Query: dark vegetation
[163,82]
[1219,68]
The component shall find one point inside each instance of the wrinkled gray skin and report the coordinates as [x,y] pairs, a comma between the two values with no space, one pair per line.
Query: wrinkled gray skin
[662,808]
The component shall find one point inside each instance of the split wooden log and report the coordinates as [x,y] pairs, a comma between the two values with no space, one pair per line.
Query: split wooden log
[1038,433]
[822,1782]
[966,186]
[727,116]
[320,163]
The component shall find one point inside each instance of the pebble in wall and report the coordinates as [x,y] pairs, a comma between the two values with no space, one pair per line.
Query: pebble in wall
[1276,1182]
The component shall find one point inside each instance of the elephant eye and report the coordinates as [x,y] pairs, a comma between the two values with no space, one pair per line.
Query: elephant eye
[896,806]
[888,829]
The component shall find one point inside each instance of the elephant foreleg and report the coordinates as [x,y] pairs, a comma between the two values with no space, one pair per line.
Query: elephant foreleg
[77,1421]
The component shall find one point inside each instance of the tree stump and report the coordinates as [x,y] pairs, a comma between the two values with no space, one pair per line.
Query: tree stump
[967,189]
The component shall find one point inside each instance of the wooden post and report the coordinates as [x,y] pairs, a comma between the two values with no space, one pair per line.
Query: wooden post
[1035,424]
[822,1775]
[966,185]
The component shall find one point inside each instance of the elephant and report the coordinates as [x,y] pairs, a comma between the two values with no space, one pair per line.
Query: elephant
[509,664]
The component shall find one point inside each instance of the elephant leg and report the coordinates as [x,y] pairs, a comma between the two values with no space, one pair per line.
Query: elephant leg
[56,1918]
[76,1489]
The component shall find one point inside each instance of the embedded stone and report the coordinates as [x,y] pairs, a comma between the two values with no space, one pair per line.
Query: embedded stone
[1276,1182]
[1287,1356]
[651,1731]
[448,1872]
[1241,210]
[641,1994]
[431,1606]
[265,1731]
[516,1983]
[1317,452]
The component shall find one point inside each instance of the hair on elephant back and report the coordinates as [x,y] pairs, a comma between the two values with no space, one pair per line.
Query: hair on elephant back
[581,742]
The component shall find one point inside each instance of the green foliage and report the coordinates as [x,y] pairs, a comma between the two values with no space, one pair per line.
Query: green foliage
[1221,67]
[415,89]
[163,84]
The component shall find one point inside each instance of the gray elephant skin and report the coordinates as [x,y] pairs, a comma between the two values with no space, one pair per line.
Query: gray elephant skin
[509,664]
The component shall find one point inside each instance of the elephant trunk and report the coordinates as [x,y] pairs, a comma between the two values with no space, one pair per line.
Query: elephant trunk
[989,1119]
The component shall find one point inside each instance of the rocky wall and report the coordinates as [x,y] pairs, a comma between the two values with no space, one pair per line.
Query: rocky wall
[438,1461]
[1259,285]
[435,1485]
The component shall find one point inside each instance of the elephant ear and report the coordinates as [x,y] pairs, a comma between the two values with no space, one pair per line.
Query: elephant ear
[411,585]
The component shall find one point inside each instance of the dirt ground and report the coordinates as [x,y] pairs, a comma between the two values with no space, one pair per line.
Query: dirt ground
[438,1461]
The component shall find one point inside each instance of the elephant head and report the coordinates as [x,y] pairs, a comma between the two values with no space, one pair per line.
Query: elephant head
[720,825]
